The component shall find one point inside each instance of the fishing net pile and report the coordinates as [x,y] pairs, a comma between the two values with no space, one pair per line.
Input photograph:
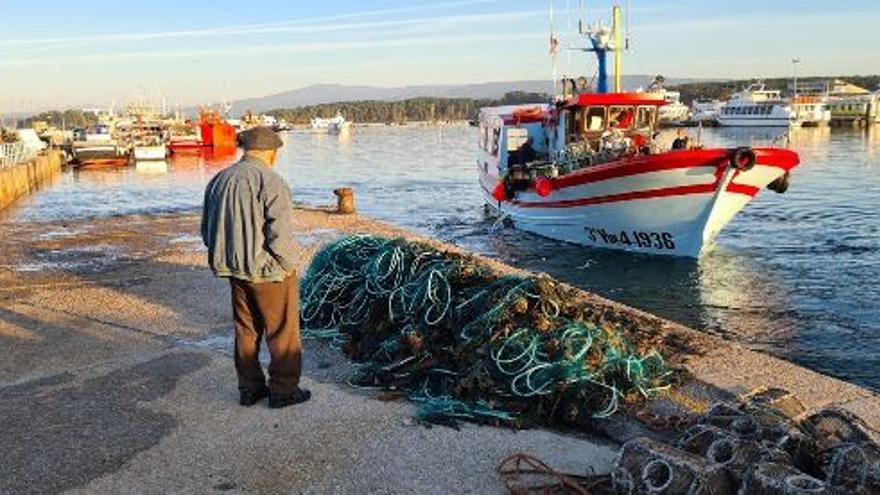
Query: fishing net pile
[466,342]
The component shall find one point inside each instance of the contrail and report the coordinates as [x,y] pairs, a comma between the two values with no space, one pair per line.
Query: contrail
[331,46]
[234,30]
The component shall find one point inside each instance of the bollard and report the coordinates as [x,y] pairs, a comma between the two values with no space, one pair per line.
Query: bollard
[344,200]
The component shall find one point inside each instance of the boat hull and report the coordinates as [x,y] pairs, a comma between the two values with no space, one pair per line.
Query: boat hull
[99,156]
[671,204]
[147,153]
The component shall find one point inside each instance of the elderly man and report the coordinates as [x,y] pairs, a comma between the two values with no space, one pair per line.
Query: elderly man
[247,226]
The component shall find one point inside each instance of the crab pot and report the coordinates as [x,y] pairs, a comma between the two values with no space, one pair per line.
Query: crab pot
[653,467]
[850,465]
[772,479]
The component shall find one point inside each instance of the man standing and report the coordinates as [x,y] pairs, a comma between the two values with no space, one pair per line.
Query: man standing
[247,226]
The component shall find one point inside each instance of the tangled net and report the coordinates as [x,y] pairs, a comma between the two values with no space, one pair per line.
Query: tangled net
[465,342]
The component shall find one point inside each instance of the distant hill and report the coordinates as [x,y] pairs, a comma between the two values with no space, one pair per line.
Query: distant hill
[332,93]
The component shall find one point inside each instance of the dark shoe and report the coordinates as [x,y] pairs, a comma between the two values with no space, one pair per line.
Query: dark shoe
[250,397]
[277,401]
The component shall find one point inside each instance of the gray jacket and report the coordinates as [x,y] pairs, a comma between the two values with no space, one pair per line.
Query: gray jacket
[247,223]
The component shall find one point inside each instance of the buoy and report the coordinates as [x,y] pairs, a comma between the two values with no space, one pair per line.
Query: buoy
[543,186]
[500,192]
[344,200]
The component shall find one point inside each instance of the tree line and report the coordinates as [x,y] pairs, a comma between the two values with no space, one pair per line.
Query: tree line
[408,110]
[67,119]
[721,90]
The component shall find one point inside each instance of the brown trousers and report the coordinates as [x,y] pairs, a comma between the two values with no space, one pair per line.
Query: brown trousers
[269,309]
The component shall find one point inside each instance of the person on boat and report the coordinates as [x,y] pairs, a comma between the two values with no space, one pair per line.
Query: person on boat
[524,154]
[247,226]
[681,141]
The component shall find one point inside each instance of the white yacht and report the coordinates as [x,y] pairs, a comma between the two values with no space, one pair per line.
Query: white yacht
[674,112]
[334,126]
[756,106]
[705,111]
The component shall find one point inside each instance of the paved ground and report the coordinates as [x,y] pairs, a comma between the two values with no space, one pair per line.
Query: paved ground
[117,377]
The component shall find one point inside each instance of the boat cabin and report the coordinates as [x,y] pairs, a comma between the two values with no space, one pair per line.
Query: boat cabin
[593,116]
[591,123]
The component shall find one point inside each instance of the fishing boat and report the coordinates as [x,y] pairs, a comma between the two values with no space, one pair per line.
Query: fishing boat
[756,106]
[95,148]
[586,168]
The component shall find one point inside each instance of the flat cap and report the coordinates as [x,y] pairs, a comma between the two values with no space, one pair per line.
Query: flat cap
[259,138]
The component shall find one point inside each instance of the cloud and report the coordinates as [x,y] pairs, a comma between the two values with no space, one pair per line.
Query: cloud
[313,47]
[278,26]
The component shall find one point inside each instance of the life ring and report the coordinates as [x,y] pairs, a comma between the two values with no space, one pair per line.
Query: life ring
[780,185]
[530,114]
[742,159]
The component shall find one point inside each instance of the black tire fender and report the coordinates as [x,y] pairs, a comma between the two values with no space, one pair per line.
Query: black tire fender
[780,185]
[742,159]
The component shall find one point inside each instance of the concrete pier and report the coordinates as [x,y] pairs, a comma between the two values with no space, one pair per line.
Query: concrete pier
[117,376]
[23,178]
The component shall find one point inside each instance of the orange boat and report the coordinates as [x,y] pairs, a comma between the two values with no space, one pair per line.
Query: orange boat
[215,131]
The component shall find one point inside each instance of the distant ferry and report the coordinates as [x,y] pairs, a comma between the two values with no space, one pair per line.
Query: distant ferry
[756,107]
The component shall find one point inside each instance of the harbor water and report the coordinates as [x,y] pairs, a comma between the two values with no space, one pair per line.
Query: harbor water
[795,275]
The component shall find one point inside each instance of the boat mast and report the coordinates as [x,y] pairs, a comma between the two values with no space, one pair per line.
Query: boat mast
[604,39]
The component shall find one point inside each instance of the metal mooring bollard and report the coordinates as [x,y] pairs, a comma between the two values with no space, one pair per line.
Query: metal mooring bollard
[344,200]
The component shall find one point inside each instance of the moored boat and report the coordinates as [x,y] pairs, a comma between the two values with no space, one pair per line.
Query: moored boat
[155,151]
[587,169]
[810,111]
[96,148]
[705,112]
[674,112]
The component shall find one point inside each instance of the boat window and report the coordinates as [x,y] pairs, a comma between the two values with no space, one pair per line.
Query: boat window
[595,118]
[620,117]
[493,142]
[645,117]
[516,137]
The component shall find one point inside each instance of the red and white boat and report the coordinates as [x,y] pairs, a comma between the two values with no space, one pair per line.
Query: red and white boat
[593,174]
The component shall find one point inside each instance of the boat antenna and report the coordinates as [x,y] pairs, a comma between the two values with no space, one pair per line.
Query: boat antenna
[626,21]
[617,49]
[554,44]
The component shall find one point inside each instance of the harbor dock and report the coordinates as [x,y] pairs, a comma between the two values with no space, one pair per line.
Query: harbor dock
[19,178]
[118,374]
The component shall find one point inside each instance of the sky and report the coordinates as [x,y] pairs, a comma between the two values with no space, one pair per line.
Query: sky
[64,54]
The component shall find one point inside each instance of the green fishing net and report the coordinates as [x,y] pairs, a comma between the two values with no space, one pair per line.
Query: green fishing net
[467,343]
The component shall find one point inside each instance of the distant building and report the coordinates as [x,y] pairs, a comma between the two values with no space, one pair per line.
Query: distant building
[833,87]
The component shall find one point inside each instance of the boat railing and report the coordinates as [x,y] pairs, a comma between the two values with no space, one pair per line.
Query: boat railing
[15,153]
